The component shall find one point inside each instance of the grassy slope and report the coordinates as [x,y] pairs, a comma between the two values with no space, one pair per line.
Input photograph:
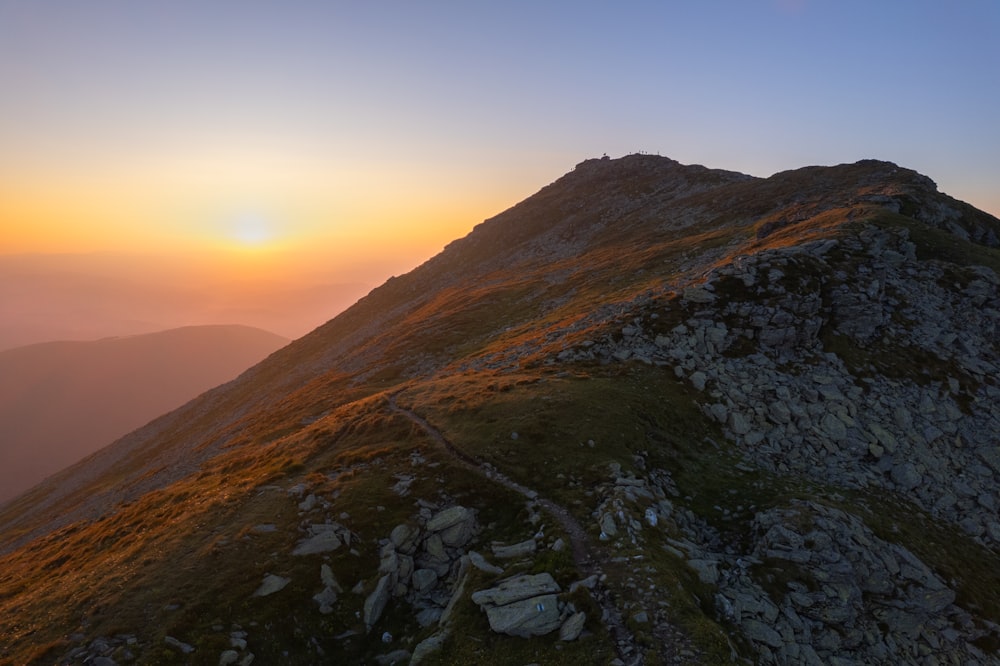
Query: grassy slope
[181,560]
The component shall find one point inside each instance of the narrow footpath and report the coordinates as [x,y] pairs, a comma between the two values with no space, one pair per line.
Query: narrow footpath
[584,555]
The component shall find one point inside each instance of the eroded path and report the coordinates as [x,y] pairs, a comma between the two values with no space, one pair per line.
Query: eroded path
[585,556]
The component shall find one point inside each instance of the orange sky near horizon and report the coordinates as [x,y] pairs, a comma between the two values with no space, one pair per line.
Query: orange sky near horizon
[270,147]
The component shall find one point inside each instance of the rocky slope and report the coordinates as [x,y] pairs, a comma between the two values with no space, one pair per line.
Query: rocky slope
[653,414]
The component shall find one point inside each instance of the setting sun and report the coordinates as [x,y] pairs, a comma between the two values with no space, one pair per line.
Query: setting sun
[252,230]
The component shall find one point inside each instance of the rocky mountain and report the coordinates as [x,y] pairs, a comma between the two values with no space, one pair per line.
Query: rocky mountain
[60,401]
[654,413]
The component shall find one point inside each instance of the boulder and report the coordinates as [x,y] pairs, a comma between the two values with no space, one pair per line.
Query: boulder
[522,606]
[326,575]
[608,527]
[572,627]
[326,599]
[516,589]
[516,550]
[761,633]
[698,295]
[459,534]
[480,563]
[450,516]
[376,601]
[906,476]
[423,579]
[534,616]
[324,542]
[404,538]
[708,570]
[271,585]
[457,591]
[698,380]
[738,423]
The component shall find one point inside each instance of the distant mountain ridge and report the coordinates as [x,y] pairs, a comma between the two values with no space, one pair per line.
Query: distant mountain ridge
[60,401]
[666,413]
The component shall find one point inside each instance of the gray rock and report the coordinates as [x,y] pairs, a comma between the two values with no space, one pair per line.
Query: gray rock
[423,579]
[458,591]
[326,575]
[993,530]
[434,547]
[932,601]
[308,504]
[229,657]
[761,633]
[389,564]
[906,476]
[698,379]
[453,517]
[778,412]
[522,549]
[738,423]
[271,585]
[447,518]
[590,582]
[376,601]
[885,438]
[534,616]
[404,538]
[324,542]
[698,295]
[326,599]
[458,534]
[834,427]
[708,570]
[572,627]
[480,563]
[608,527]
[516,589]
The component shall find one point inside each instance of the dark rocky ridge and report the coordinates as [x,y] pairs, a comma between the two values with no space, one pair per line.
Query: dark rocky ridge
[795,383]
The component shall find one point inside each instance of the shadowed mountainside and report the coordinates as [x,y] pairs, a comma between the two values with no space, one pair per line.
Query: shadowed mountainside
[60,401]
[665,413]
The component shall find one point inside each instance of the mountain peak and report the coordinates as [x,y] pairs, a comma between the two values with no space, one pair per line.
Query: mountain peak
[668,413]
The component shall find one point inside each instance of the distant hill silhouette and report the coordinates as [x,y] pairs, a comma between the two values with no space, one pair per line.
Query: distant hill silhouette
[60,401]
[50,297]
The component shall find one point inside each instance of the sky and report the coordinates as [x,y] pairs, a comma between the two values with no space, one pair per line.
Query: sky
[259,151]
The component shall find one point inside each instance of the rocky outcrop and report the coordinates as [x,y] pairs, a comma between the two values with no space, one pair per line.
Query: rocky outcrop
[522,606]
[818,585]
[323,538]
[837,385]
[529,605]
[271,584]
[425,564]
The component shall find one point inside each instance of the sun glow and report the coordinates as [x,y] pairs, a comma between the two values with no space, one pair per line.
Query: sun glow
[252,230]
